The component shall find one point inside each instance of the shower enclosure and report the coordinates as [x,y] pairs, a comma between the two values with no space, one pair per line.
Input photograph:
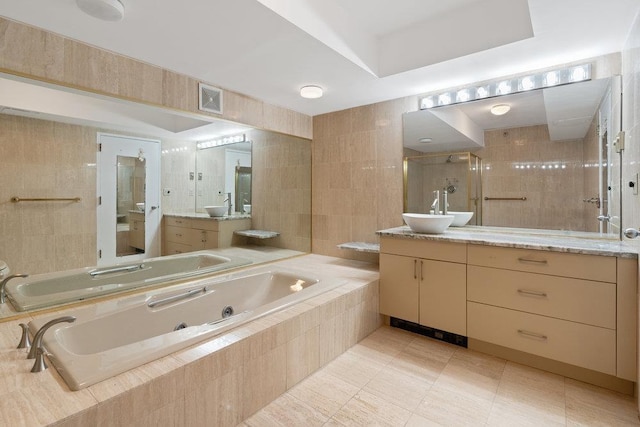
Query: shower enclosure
[460,174]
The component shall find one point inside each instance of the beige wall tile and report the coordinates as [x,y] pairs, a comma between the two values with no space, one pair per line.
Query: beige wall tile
[38,52]
[243,109]
[140,81]
[90,68]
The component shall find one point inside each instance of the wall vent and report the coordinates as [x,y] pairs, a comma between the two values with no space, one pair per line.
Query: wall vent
[210,98]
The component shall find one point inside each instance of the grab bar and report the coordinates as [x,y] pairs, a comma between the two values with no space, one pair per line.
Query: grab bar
[46,199]
[116,270]
[173,298]
[506,198]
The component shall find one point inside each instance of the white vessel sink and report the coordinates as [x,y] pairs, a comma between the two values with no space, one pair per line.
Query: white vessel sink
[216,210]
[427,223]
[460,218]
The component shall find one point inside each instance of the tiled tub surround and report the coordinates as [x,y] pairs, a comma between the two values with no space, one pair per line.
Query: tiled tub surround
[101,342]
[220,382]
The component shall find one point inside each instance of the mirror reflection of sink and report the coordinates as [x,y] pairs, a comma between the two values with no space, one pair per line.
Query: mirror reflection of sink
[460,218]
[427,223]
[216,210]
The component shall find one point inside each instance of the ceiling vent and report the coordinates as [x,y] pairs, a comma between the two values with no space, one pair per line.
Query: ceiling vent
[210,99]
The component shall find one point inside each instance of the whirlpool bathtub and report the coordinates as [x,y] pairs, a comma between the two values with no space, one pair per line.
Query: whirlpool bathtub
[46,290]
[112,337]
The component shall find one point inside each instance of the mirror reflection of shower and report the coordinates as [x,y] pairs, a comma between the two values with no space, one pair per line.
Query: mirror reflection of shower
[457,173]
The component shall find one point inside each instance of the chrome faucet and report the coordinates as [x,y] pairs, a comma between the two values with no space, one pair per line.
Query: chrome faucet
[37,339]
[445,202]
[436,202]
[228,199]
[25,340]
[4,283]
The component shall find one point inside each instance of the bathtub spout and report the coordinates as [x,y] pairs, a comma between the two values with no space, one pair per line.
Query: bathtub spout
[37,339]
[4,283]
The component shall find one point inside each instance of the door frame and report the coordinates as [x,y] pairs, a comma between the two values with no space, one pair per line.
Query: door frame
[110,146]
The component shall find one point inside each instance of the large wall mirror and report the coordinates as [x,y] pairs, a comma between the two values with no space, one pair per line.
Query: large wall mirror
[548,163]
[48,148]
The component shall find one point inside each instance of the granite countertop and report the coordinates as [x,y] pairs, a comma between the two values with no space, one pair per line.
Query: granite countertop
[561,241]
[198,215]
[361,247]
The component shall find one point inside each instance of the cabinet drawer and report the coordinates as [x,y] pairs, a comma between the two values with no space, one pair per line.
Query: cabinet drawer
[174,221]
[172,248]
[179,234]
[205,224]
[587,346]
[440,251]
[578,300]
[590,267]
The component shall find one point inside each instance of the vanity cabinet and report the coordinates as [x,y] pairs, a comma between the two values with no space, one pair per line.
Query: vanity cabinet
[424,282]
[558,311]
[136,229]
[183,234]
[570,308]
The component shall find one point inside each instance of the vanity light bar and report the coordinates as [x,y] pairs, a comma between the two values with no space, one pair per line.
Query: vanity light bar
[506,86]
[202,145]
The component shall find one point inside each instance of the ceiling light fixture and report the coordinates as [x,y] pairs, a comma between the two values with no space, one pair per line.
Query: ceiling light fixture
[500,109]
[203,145]
[425,140]
[311,92]
[505,86]
[107,10]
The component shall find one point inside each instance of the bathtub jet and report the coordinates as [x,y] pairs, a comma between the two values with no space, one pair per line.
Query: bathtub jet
[102,342]
[47,290]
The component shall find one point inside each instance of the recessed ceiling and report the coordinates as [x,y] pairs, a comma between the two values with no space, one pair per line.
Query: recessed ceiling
[358,51]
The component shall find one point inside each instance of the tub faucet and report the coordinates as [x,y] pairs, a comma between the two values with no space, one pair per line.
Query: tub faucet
[37,339]
[4,283]
[436,202]
[228,199]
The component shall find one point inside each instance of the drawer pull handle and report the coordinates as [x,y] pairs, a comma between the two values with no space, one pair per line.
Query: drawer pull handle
[532,293]
[415,268]
[178,235]
[535,261]
[532,335]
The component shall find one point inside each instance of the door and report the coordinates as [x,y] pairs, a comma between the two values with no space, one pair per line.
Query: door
[443,295]
[399,287]
[128,214]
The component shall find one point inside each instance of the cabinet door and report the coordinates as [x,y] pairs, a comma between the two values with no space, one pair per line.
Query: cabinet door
[136,234]
[443,295]
[399,287]
[210,239]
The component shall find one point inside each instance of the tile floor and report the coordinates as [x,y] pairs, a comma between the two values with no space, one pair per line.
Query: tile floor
[396,378]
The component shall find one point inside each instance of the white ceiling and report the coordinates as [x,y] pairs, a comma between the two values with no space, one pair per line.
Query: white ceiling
[359,51]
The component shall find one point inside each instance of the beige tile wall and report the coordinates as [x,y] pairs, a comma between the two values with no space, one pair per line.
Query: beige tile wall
[43,55]
[177,161]
[554,194]
[281,187]
[40,158]
[357,175]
